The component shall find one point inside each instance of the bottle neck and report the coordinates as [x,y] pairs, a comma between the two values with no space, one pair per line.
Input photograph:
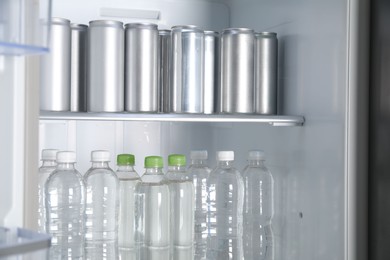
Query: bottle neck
[49,163]
[100,165]
[176,168]
[199,162]
[125,168]
[154,171]
[66,166]
[256,162]
[225,164]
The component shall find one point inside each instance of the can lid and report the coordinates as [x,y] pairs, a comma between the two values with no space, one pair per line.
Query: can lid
[256,155]
[237,31]
[141,25]
[66,157]
[225,155]
[164,32]
[59,20]
[125,159]
[100,156]
[154,162]
[199,155]
[265,34]
[106,23]
[78,26]
[49,154]
[186,28]
[176,160]
[211,33]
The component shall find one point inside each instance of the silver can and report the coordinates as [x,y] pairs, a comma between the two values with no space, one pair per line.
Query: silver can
[211,71]
[164,47]
[237,70]
[266,55]
[106,66]
[78,89]
[141,66]
[187,69]
[55,69]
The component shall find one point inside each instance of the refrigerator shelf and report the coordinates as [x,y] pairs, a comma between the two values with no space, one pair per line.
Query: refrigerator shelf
[274,120]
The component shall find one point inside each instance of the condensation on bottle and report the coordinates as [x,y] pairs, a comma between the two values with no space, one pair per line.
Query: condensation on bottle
[101,237]
[65,208]
[48,158]
[225,191]
[128,179]
[182,208]
[152,215]
[258,208]
[198,172]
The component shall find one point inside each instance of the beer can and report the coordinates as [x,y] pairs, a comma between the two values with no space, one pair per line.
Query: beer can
[237,70]
[78,82]
[141,67]
[266,52]
[106,66]
[55,69]
[211,71]
[187,69]
[164,47]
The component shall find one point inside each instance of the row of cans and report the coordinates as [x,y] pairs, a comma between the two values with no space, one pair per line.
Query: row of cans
[108,67]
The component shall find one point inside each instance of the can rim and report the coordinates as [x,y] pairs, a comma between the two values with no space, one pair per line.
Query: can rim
[78,26]
[107,23]
[237,30]
[141,25]
[186,28]
[164,32]
[266,34]
[59,20]
[212,33]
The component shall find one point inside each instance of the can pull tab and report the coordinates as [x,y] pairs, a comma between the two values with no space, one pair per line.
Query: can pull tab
[130,13]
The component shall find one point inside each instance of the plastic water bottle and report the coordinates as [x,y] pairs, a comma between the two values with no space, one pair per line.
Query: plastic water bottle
[65,208]
[258,208]
[128,179]
[198,172]
[225,203]
[102,186]
[48,166]
[152,215]
[182,208]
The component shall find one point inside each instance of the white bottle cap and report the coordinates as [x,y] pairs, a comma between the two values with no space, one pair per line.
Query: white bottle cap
[66,157]
[199,155]
[256,155]
[225,156]
[49,154]
[100,156]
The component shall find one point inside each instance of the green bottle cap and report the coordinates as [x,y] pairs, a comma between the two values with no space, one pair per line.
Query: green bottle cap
[177,160]
[154,162]
[125,159]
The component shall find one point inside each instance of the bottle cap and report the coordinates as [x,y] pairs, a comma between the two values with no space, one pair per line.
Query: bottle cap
[199,155]
[225,156]
[100,156]
[66,157]
[125,159]
[177,160]
[49,154]
[154,162]
[256,155]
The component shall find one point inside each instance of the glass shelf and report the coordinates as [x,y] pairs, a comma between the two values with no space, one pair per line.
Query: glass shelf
[274,120]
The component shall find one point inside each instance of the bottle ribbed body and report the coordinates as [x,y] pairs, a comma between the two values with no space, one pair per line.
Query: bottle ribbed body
[65,208]
[224,220]
[258,211]
[101,212]
[48,166]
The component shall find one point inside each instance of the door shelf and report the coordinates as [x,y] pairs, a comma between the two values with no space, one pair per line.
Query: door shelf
[274,120]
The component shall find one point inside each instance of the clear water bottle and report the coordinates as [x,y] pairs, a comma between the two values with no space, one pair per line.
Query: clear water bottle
[48,166]
[152,215]
[102,204]
[225,202]
[128,179]
[65,208]
[258,208]
[182,208]
[198,172]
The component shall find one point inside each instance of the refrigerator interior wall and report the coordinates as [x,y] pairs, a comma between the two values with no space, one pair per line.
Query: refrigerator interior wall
[308,163]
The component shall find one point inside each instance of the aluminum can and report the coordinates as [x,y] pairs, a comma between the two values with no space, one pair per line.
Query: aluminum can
[78,84]
[211,71]
[266,56]
[164,47]
[187,69]
[237,70]
[105,66]
[55,69]
[141,66]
